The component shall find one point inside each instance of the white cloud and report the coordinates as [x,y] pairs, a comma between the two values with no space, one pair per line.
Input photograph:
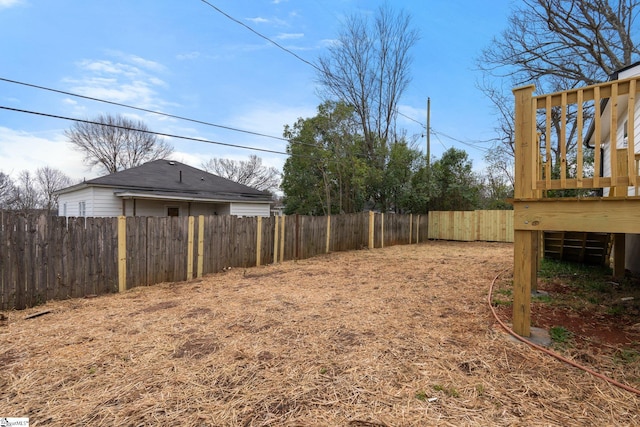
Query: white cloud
[104,67]
[289,36]
[132,80]
[329,42]
[145,63]
[21,150]
[408,113]
[5,4]
[258,20]
[188,56]
[262,20]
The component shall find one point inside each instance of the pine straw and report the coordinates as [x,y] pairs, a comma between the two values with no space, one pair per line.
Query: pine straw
[397,336]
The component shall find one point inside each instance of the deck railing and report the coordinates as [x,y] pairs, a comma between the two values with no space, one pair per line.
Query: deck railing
[560,123]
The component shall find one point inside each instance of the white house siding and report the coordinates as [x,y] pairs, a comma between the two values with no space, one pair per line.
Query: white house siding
[97,202]
[105,203]
[101,202]
[250,209]
[632,241]
[620,143]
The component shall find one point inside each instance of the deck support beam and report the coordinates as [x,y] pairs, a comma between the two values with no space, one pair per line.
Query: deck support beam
[618,255]
[525,247]
[525,243]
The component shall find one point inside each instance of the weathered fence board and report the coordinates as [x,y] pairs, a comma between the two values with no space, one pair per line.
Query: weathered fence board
[44,258]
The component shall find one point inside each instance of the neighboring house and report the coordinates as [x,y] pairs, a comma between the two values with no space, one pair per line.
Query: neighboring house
[162,188]
[632,241]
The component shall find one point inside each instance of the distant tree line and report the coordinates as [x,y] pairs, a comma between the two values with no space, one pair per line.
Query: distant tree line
[351,156]
[32,192]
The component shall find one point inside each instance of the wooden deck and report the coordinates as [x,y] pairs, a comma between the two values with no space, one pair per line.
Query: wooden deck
[550,129]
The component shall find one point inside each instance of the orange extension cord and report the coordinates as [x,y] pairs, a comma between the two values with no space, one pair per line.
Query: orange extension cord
[549,352]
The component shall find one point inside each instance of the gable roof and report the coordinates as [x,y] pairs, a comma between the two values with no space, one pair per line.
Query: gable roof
[168,179]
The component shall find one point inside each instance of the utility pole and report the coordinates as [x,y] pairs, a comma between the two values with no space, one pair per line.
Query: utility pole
[428,133]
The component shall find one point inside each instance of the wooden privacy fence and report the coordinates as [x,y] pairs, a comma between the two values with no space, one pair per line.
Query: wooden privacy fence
[43,258]
[469,226]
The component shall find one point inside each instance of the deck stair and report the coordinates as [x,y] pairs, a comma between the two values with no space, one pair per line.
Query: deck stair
[587,248]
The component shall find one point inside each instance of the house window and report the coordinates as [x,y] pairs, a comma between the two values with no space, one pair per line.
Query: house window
[173,211]
[82,209]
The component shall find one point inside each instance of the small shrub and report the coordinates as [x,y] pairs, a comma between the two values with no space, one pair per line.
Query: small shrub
[449,391]
[560,334]
[542,298]
[627,355]
[616,310]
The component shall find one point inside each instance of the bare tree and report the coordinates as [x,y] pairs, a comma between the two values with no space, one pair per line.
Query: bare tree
[558,44]
[582,41]
[6,191]
[251,173]
[26,195]
[368,68]
[116,143]
[49,181]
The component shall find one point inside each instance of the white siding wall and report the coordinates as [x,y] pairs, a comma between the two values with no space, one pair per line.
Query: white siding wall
[251,209]
[97,202]
[101,202]
[105,203]
[606,158]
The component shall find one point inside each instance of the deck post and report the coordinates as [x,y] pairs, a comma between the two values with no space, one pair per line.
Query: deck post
[525,263]
[618,255]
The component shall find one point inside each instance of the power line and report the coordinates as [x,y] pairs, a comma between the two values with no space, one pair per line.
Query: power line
[149,111]
[244,147]
[440,141]
[468,144]
[411,118]
[237,21]
[289,51]
[140,109]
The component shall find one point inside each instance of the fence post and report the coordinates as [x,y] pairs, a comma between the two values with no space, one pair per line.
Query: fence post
[259,241]
[122,253]
[371,229]
[190,234]
[382,230]
[328,233]
[200,246]
[282,239]
[275,239]
[410,227]
[296,244]
[418,230]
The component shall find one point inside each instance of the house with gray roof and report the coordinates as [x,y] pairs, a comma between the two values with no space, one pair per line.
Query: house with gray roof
[162,188]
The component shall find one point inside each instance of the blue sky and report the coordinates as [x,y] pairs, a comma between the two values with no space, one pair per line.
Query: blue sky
[184,58]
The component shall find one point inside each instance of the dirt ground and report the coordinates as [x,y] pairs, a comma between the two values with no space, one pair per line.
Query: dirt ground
[400,336]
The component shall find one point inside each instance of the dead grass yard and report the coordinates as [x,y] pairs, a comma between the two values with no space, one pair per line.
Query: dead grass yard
[399,336]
